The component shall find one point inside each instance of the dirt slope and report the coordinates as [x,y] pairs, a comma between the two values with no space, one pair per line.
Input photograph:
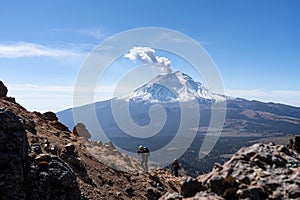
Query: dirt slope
[95,179]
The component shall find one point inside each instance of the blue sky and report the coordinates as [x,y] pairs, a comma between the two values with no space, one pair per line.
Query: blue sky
[255,44]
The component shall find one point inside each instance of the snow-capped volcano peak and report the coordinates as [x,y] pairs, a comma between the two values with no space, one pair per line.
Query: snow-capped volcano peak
[171,87]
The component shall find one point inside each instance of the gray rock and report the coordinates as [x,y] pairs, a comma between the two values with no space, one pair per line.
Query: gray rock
[261,171]
[13,154]
[25,174]
[80,130]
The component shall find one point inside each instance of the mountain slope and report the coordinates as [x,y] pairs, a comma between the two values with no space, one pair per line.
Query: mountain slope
[172,87]
[243,117]
[252,120]
[41,159]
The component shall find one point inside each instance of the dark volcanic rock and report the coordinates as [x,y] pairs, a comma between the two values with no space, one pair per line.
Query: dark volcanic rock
[51,178]
[70,156]
[24,176]
[295,144]
[3,90]
[51,116]
[53,120]
[13,153]
[190,186]
[153,194]
[30,125]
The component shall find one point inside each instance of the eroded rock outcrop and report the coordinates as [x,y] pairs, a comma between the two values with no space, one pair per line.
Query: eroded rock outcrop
[13,153]
[261,171]
[27,174]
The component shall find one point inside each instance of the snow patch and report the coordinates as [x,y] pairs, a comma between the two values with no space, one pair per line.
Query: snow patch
[173,87]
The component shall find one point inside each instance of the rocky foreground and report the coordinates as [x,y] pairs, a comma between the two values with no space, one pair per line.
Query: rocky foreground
[41,159]
[261,171]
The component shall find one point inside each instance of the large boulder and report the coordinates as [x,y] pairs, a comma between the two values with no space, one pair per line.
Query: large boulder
[70,156]
[3,90]
[81,131]
[51,178]
[13,154]
[26,174]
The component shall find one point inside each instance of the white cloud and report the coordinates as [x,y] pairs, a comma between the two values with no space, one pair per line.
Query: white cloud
[147,55]
[23,49]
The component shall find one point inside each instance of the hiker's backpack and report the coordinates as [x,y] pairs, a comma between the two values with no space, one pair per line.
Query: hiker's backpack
[146,150]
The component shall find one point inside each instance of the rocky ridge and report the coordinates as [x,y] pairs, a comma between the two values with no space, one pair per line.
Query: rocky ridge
[42,159]
[27,174]
[261,171]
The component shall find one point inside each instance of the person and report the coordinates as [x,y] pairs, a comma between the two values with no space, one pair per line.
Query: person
[145,153]
[176,166]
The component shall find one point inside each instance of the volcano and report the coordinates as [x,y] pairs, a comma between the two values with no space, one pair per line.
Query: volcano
[243,117]
[171,87]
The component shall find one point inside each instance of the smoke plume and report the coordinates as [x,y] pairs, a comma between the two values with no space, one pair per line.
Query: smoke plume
[147,55]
